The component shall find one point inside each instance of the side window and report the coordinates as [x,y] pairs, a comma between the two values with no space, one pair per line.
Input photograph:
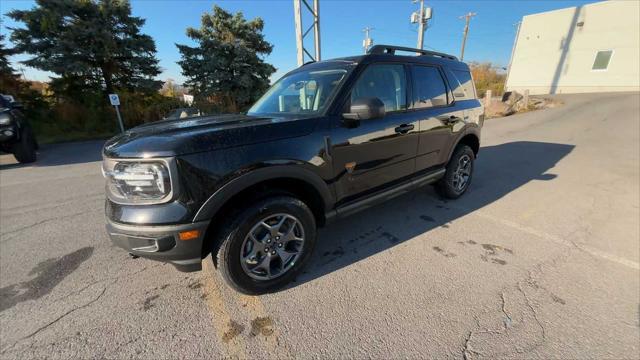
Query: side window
[465,89]
[429,89]
[387,82]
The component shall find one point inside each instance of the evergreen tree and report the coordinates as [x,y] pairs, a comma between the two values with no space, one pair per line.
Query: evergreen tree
[88,44]
[9,81]
[226,66]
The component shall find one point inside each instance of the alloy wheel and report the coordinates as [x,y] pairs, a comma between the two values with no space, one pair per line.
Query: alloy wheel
[272,246]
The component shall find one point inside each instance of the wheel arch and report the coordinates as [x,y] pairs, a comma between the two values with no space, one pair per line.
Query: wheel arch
[262,182]
[471,139]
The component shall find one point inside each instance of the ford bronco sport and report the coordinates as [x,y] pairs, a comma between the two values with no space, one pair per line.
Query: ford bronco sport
[328,139]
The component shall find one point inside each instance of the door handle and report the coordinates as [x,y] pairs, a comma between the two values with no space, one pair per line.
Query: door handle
[448,120]
[404,128]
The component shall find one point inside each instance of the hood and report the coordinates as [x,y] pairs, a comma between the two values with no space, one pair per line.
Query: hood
[205,133]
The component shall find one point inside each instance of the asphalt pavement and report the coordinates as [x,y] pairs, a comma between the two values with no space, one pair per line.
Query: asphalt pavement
[540,259]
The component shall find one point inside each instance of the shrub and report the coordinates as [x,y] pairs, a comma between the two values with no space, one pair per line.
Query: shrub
[486,77]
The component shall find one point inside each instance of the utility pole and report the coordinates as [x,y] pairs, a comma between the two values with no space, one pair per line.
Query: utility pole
[421,18]
[467,18]
[367,42]
[315,12]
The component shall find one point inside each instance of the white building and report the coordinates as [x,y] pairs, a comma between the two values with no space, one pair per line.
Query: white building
[591,48]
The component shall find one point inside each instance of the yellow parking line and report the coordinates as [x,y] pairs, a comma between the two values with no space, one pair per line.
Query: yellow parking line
[232,345]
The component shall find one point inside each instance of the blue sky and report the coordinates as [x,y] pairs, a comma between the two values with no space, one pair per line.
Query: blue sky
[490,38]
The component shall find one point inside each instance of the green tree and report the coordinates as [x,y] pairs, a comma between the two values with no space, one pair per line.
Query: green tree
[226,66]
[88,44]
[10,82]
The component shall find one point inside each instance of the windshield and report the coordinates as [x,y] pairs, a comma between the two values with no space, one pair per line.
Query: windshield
[303,92]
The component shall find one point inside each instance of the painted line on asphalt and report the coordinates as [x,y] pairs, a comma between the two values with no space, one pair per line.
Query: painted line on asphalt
[235,347]
[558,240]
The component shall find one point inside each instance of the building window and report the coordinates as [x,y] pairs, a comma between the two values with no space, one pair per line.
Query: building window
[602,59]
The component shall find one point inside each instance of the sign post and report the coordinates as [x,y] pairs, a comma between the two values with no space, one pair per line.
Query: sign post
[115,101]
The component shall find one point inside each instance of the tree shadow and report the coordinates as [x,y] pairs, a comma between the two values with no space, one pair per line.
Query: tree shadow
[60,154]
[499,170]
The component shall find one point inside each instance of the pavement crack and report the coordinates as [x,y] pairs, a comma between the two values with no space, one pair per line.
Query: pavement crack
[534,312]
[54,321]
[24,228]
[504,311]
[467,350]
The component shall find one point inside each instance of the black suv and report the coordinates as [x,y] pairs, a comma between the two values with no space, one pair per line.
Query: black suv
[16,136]
[328,139]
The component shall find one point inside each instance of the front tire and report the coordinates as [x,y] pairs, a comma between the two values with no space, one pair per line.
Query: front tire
[458,175]
[25,150]
[265,246]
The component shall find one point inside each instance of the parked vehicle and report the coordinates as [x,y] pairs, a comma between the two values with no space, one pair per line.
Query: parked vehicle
[16,135]
[182,113]
[328,139]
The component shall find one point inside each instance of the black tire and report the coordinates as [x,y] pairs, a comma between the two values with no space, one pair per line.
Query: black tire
[448,186]
[25,150]
[237,227]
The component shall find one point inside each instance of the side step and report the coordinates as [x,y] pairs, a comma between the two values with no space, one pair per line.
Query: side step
[383,196]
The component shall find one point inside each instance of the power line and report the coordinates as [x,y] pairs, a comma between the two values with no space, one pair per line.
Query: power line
[467,18]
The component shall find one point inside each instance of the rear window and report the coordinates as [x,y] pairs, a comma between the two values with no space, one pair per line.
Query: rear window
[429,89]
[462,84]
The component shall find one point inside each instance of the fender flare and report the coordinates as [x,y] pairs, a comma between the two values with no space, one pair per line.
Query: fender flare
[210,207]
[470,130]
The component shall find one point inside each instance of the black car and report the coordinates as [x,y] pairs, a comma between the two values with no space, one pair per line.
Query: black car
[328,139]
[16,135]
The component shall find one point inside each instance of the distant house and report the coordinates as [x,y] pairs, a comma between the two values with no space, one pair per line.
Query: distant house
[590,48]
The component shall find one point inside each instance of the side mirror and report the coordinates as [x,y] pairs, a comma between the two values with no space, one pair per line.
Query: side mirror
[365,109]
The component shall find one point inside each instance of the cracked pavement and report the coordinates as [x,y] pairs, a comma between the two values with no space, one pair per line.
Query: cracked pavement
[540,259]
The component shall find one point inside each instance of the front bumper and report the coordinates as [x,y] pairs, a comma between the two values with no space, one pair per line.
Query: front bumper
[161,242]
[8,133]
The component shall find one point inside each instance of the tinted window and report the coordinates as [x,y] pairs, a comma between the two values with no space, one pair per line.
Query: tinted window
[387,82]
[602,59]
[429,89]
[462,84]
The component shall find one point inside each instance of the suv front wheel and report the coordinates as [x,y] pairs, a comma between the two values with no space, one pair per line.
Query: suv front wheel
[25,149]
[458,174]
[264,247]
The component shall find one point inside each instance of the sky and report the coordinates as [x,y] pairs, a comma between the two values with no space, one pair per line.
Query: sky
[490,38]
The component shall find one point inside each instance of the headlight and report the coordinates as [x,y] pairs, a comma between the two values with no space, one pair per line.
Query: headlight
[138,182]
[5,119]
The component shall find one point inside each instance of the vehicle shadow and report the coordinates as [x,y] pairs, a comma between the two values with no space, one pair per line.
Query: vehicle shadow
[499,170]
[59,154]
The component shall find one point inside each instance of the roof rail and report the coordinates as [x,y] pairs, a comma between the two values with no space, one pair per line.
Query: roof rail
[391,49]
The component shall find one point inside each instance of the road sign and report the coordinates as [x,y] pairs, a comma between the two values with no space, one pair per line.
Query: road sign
[115,100]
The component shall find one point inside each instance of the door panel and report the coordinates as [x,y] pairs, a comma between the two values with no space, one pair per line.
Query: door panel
[432,103]
[375,153]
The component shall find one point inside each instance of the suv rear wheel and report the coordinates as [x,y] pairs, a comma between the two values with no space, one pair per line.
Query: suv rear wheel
[25,150]
[459,173]
[264,247]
